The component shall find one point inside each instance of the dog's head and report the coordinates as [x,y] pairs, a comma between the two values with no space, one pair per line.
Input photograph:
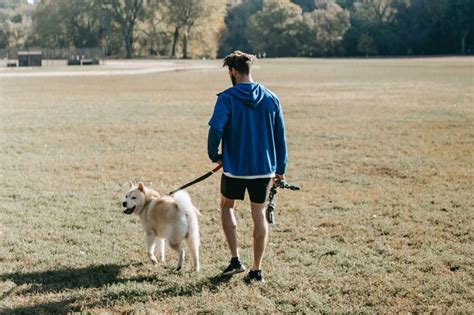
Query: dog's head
[134,199]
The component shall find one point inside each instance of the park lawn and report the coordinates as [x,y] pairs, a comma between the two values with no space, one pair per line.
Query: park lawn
[383,151]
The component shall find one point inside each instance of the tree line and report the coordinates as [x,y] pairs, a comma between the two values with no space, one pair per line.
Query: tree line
[274,28]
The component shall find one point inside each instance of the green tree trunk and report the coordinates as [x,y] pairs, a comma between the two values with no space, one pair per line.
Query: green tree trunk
[463,42]
[185,46]
[129,46]
[175,41]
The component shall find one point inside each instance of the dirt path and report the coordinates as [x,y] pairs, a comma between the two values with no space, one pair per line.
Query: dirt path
[110,68]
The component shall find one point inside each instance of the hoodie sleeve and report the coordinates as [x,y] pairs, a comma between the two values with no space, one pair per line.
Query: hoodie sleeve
[213,140]
[280,142]
[218,121]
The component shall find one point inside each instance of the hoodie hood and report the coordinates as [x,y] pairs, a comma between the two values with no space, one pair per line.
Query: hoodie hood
[250,94]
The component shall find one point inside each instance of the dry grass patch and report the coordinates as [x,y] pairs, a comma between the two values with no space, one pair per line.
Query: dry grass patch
[382,149]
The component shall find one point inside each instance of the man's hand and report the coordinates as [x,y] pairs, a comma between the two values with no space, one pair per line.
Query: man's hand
[278,178]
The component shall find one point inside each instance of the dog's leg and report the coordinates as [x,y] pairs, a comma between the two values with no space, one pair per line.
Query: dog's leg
[193,245]
[177,247]
[161,249]
[150,246]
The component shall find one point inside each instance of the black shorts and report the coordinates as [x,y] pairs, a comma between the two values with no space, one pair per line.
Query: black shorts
[234,188]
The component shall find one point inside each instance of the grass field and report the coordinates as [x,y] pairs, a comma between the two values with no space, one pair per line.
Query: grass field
[383,150]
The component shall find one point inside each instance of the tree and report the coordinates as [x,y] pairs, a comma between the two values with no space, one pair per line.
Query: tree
[108,33]
[82,22]
[278,29]
[126,13]
[327,26]
[460,18]
[205,36]
[201,28]
[306,5]
[5,34]
[152,32]
[366,45]
[422,24]
[346,4]
[11,4]
[376,19]
[236,21]
[184,15]
[63,23]
[49,25]
[17,18]
[14,28]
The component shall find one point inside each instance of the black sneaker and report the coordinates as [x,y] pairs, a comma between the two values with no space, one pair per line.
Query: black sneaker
[235,266]
[255,275]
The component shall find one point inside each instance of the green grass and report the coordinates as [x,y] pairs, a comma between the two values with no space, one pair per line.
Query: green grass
[383,150]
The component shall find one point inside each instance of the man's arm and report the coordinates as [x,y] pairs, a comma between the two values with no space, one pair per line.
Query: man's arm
[217,123]
[280,144]
[213,141]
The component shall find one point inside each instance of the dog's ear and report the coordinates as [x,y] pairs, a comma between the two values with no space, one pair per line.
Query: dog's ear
[141,187]
[131,184]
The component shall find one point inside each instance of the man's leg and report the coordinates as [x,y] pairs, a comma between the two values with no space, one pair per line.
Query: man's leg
[229,224]
[260,233]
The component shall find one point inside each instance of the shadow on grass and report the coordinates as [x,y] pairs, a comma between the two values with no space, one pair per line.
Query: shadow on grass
[137,296]
[95,276]
[61,307]
[68,278]
[212,284]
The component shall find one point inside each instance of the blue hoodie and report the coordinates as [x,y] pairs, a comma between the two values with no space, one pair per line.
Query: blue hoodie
[248,119]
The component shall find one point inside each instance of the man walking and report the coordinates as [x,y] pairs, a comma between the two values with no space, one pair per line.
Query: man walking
[248,120]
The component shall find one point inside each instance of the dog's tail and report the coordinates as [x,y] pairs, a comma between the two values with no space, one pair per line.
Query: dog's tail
[184,203]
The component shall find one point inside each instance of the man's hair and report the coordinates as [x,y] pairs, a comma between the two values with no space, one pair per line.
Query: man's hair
[240,61]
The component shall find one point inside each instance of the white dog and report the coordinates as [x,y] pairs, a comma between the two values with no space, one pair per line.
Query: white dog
[172,218]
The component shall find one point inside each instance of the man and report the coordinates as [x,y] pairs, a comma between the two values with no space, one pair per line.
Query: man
[248,119]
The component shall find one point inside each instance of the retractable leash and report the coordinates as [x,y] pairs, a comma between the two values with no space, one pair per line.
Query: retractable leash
[197,180]
[273,191]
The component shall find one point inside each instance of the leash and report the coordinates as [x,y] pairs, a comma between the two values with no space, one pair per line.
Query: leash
[271,202]
[197,180]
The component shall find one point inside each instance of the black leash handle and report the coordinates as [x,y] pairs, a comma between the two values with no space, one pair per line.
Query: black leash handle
[197,180]
[273,191]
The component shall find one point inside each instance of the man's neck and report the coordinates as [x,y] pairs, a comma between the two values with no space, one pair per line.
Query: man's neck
[245,79]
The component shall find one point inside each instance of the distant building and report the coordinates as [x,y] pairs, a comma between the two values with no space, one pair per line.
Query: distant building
[30,58]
